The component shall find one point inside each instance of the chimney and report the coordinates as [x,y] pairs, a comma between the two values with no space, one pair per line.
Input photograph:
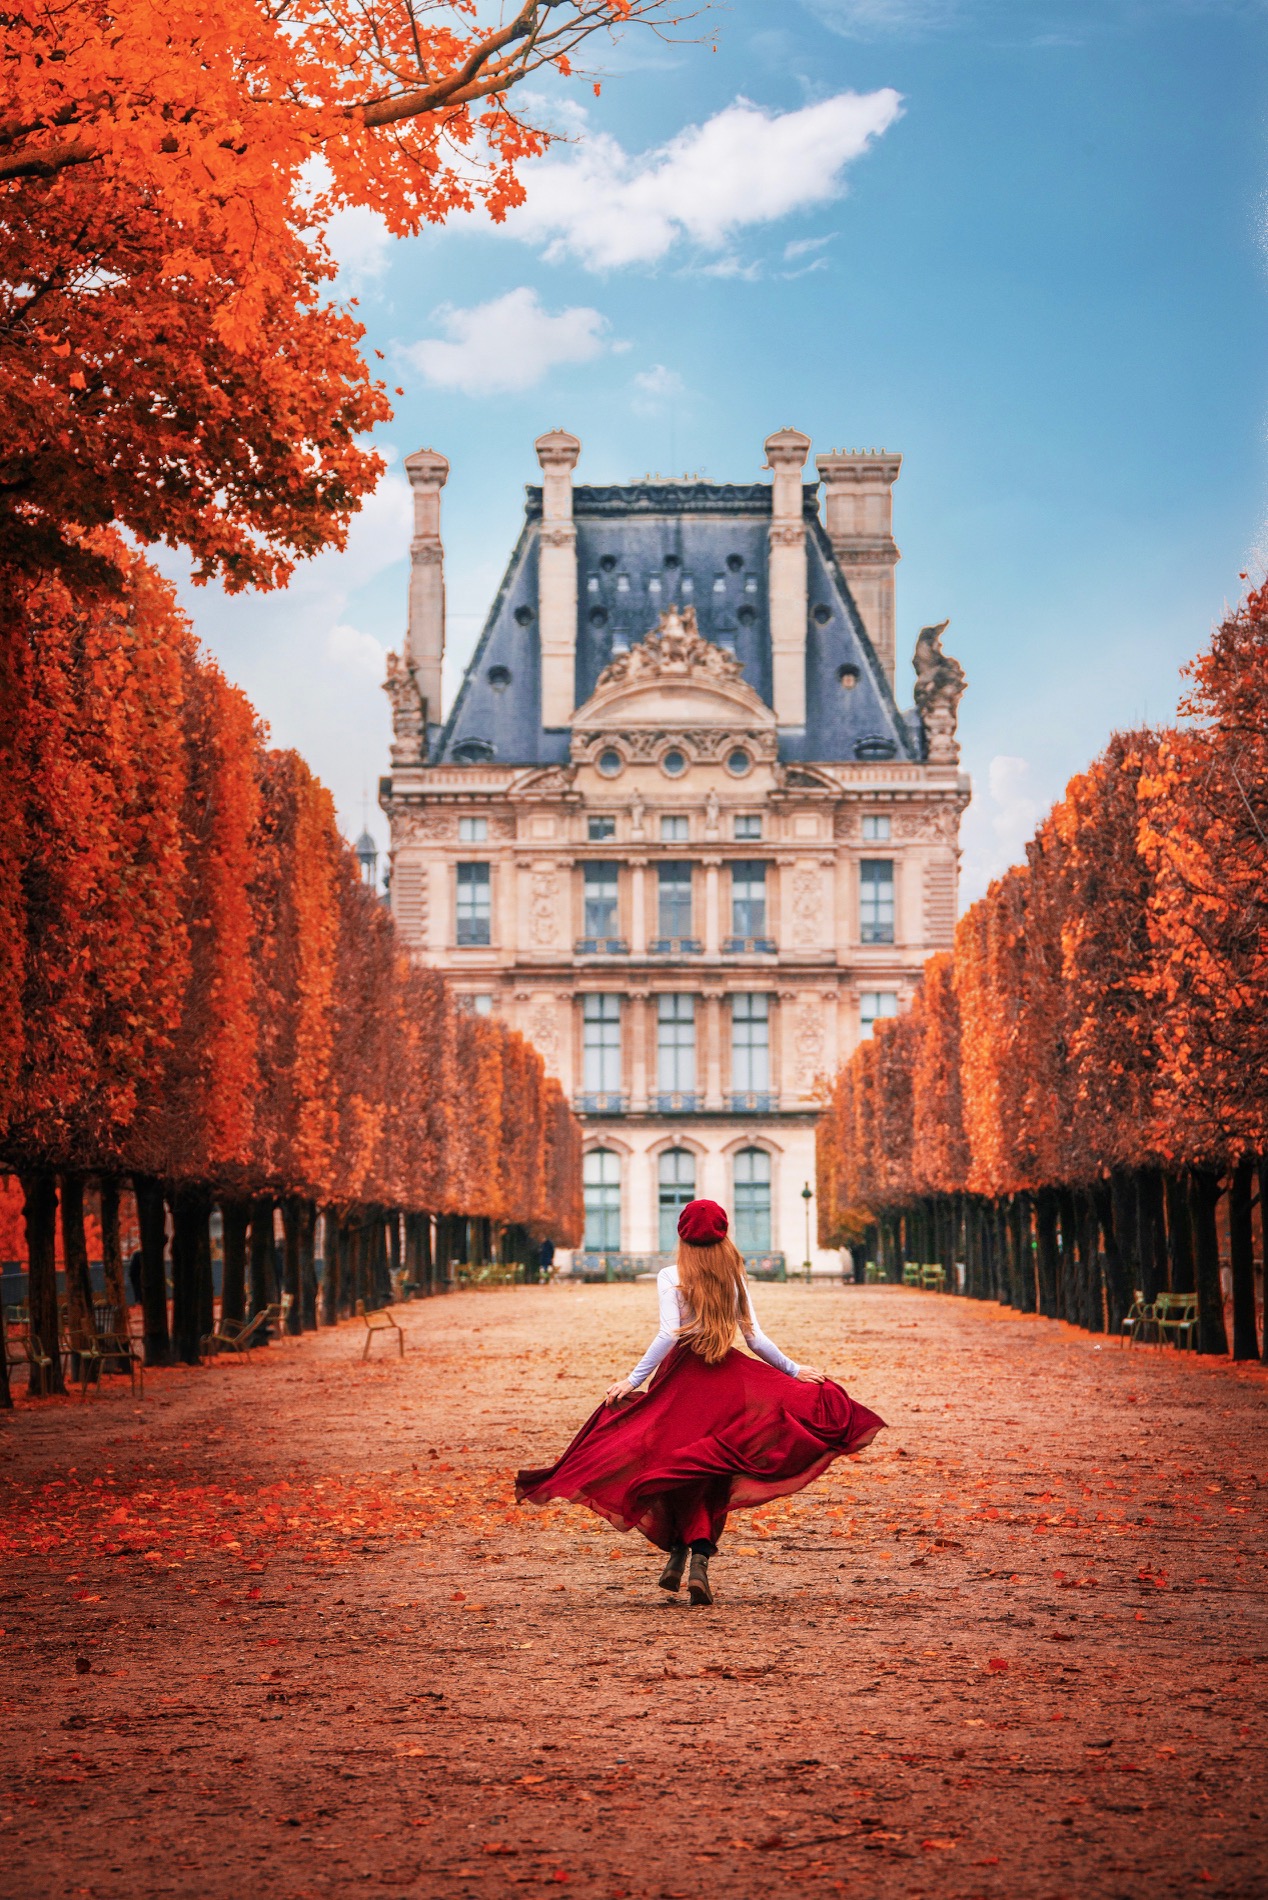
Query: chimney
[425,640]
[557,576]
[786,453]
[859,515]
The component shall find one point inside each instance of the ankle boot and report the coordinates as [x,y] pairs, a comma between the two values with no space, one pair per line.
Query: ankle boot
[671,1576]
[698,1579]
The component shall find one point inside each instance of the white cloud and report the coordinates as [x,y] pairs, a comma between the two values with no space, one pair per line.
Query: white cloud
[871,19]
[805,247]
[358,652]
[360,243]
[998,828]
[743,167]
[654,388]
[505,345]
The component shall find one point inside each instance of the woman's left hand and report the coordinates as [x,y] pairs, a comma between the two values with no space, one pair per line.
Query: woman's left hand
[812,1375]
[618,1393]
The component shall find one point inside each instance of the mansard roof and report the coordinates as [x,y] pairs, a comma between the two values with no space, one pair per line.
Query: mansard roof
[649,546]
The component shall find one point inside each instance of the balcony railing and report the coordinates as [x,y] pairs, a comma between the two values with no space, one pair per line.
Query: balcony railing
[601,947]
[674,947]
[676,1102]
[752,1102]
[609,1103]
[748,946]
[628,1266]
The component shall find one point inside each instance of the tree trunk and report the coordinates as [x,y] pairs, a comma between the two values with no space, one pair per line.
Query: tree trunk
[1126,1196]
[1094,1294]
[307,1220]
[1153,1233]
[1046,1251]
[1023,1240]
[332,1238]
[111,1251]
[1204,1194]
[1263,1243]
[190,1212]
[1070,1257]
[151,1215]
[292,1270]
[394,1250]
[1118,1286]
[39,1213]
[1180,1234]
[235,1218]
[263,1278]
[427,1254]
[79,1300]
[205,1277]
[1242,1251]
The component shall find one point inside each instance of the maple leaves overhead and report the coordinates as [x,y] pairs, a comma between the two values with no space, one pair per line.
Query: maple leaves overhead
[197,985]
[169,359]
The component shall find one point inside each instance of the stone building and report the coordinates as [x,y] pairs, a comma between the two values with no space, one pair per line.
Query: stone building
[675,826]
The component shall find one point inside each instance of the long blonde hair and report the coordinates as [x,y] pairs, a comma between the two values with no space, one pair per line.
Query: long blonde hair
[713,1286]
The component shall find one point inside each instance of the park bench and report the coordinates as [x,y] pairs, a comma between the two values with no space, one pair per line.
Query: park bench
[874,1273]
[911,1273]
[379,1321]
[1136,1320]
[1175,1313]
[933,1276]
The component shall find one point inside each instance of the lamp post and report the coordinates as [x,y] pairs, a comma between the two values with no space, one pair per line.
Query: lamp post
[807,1196]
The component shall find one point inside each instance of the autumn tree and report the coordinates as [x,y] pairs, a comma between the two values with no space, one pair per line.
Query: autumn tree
[170,357]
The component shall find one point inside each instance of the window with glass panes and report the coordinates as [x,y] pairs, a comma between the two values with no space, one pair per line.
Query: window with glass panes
[876,900]
[873,1004]
[674,829]
[676,1044]
[601,1053]
[750,1044]
[601,1185]
[748,825]
[600,901]
[676,1172]
[748,900]
[752,1200]
[674,900]
[474,908]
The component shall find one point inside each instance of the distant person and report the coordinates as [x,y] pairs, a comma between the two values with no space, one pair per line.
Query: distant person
[717,1431]
[134,1276]
[546,1259]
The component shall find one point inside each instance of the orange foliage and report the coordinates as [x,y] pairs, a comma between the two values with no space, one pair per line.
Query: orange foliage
[1103,1008]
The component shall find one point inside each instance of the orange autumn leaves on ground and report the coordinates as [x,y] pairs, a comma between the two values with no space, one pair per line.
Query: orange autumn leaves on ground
[197,985]
[1102,1009]
[170,358]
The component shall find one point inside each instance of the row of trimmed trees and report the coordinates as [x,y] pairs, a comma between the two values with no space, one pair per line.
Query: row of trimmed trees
[200,997]
[1075,1106]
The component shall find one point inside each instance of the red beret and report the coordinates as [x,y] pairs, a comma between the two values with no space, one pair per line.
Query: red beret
[702,1224]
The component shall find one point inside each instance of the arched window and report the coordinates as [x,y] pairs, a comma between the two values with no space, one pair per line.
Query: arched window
[601,1178]
[677,1187]
[752,1200]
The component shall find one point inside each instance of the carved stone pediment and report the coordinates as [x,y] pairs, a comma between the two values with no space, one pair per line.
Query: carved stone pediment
[675,677]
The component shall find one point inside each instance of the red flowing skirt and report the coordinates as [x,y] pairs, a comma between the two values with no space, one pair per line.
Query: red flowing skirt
[704,1440]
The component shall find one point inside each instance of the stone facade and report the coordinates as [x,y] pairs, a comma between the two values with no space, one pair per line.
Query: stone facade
[675,827]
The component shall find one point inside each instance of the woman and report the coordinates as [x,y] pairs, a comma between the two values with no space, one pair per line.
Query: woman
[717,1432]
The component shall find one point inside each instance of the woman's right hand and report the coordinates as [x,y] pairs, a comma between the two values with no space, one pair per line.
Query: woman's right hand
[812,1375]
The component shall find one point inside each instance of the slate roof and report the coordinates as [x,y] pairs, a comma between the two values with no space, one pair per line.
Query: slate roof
[640,548]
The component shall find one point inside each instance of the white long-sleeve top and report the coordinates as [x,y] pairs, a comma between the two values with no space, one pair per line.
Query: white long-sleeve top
[675,1313]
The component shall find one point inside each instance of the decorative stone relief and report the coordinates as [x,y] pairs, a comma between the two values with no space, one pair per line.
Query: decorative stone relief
[940,684]
[712,809]
[809,1044]
[408,724]
[409,902]
[544,906]
[705,744]
[411,826]
[787,534]
[807,904]
[673,650]
[543,1031]
[939,824]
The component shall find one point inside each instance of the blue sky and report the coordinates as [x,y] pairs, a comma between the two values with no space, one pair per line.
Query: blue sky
[1020,240]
